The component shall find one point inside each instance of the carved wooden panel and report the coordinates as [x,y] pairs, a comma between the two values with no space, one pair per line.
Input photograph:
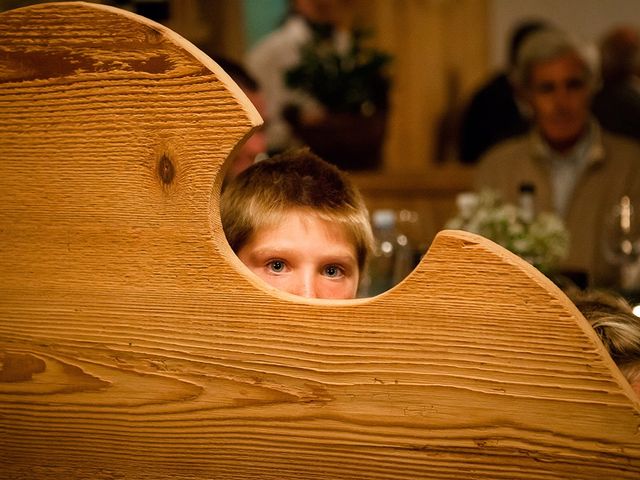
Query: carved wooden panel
[135,345]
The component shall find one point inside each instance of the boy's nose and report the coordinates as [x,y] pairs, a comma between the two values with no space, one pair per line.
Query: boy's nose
[307,286]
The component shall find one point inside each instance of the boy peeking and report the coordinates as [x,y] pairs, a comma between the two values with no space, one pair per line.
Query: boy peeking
[299,224]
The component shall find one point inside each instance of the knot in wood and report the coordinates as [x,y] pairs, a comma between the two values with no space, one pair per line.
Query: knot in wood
[20,367]
[166,170]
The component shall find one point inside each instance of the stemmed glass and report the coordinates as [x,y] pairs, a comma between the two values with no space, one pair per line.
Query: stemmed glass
[622,243]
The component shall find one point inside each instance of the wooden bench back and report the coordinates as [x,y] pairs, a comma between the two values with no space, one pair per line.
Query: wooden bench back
[133,343]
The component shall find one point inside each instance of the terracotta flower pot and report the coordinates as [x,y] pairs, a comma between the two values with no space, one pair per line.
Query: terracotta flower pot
[351,141]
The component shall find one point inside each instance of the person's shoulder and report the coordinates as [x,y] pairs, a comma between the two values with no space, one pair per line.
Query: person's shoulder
[615,142]
[498,83]
[266,45]
[621,153]
[277,46]
[293,31]
[496,87]
[495,167]
[508,150]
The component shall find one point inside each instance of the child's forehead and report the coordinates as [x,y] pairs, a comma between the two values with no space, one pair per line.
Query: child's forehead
[297,231]
[303,218]
[301,215]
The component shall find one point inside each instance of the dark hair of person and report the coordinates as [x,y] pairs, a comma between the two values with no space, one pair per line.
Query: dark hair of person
[520,34]
[238,73]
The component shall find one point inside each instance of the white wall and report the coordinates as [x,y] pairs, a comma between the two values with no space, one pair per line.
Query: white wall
[587,19]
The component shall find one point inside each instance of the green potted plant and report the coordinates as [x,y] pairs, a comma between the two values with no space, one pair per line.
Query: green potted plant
[352,88]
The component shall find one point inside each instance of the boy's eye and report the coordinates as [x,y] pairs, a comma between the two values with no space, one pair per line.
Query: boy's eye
[333,271]
[276,266]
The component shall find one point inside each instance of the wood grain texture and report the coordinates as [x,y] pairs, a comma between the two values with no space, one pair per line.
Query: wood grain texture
[135,346]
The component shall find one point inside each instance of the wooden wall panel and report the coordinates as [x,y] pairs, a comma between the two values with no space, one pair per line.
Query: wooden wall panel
[440,50]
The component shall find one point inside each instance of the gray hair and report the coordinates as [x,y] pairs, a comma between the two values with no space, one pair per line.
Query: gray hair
[547,45]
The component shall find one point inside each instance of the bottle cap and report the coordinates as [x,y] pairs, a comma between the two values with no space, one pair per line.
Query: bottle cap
[383,218]
[527,187]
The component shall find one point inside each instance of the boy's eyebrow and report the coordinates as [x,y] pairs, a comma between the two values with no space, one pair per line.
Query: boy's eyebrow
[340,258]
[270,251]
[283,251]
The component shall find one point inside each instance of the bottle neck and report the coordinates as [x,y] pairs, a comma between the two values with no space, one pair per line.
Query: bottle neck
[526,203]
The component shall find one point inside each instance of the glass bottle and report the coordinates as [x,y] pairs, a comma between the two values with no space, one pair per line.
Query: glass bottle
[622,244]
[527,202]
[391,259]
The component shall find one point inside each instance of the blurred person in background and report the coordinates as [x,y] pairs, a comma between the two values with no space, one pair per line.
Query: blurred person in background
[578,170]
[255,146]
[280,51]
[494,113]
[617,104]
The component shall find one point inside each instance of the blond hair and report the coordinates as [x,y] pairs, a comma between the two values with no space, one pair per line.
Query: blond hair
[613,320]
[295,180]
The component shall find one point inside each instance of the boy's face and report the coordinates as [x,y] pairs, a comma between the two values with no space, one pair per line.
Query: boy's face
[305,256]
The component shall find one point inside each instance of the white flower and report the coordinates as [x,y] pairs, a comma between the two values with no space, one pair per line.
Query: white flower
[544,242]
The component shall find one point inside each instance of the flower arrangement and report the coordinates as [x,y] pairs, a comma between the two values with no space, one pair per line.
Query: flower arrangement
[542,240]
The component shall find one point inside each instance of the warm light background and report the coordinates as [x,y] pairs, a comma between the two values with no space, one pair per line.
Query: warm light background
[443,50]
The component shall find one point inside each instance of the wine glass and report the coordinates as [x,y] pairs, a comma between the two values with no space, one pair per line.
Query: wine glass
[622,242]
